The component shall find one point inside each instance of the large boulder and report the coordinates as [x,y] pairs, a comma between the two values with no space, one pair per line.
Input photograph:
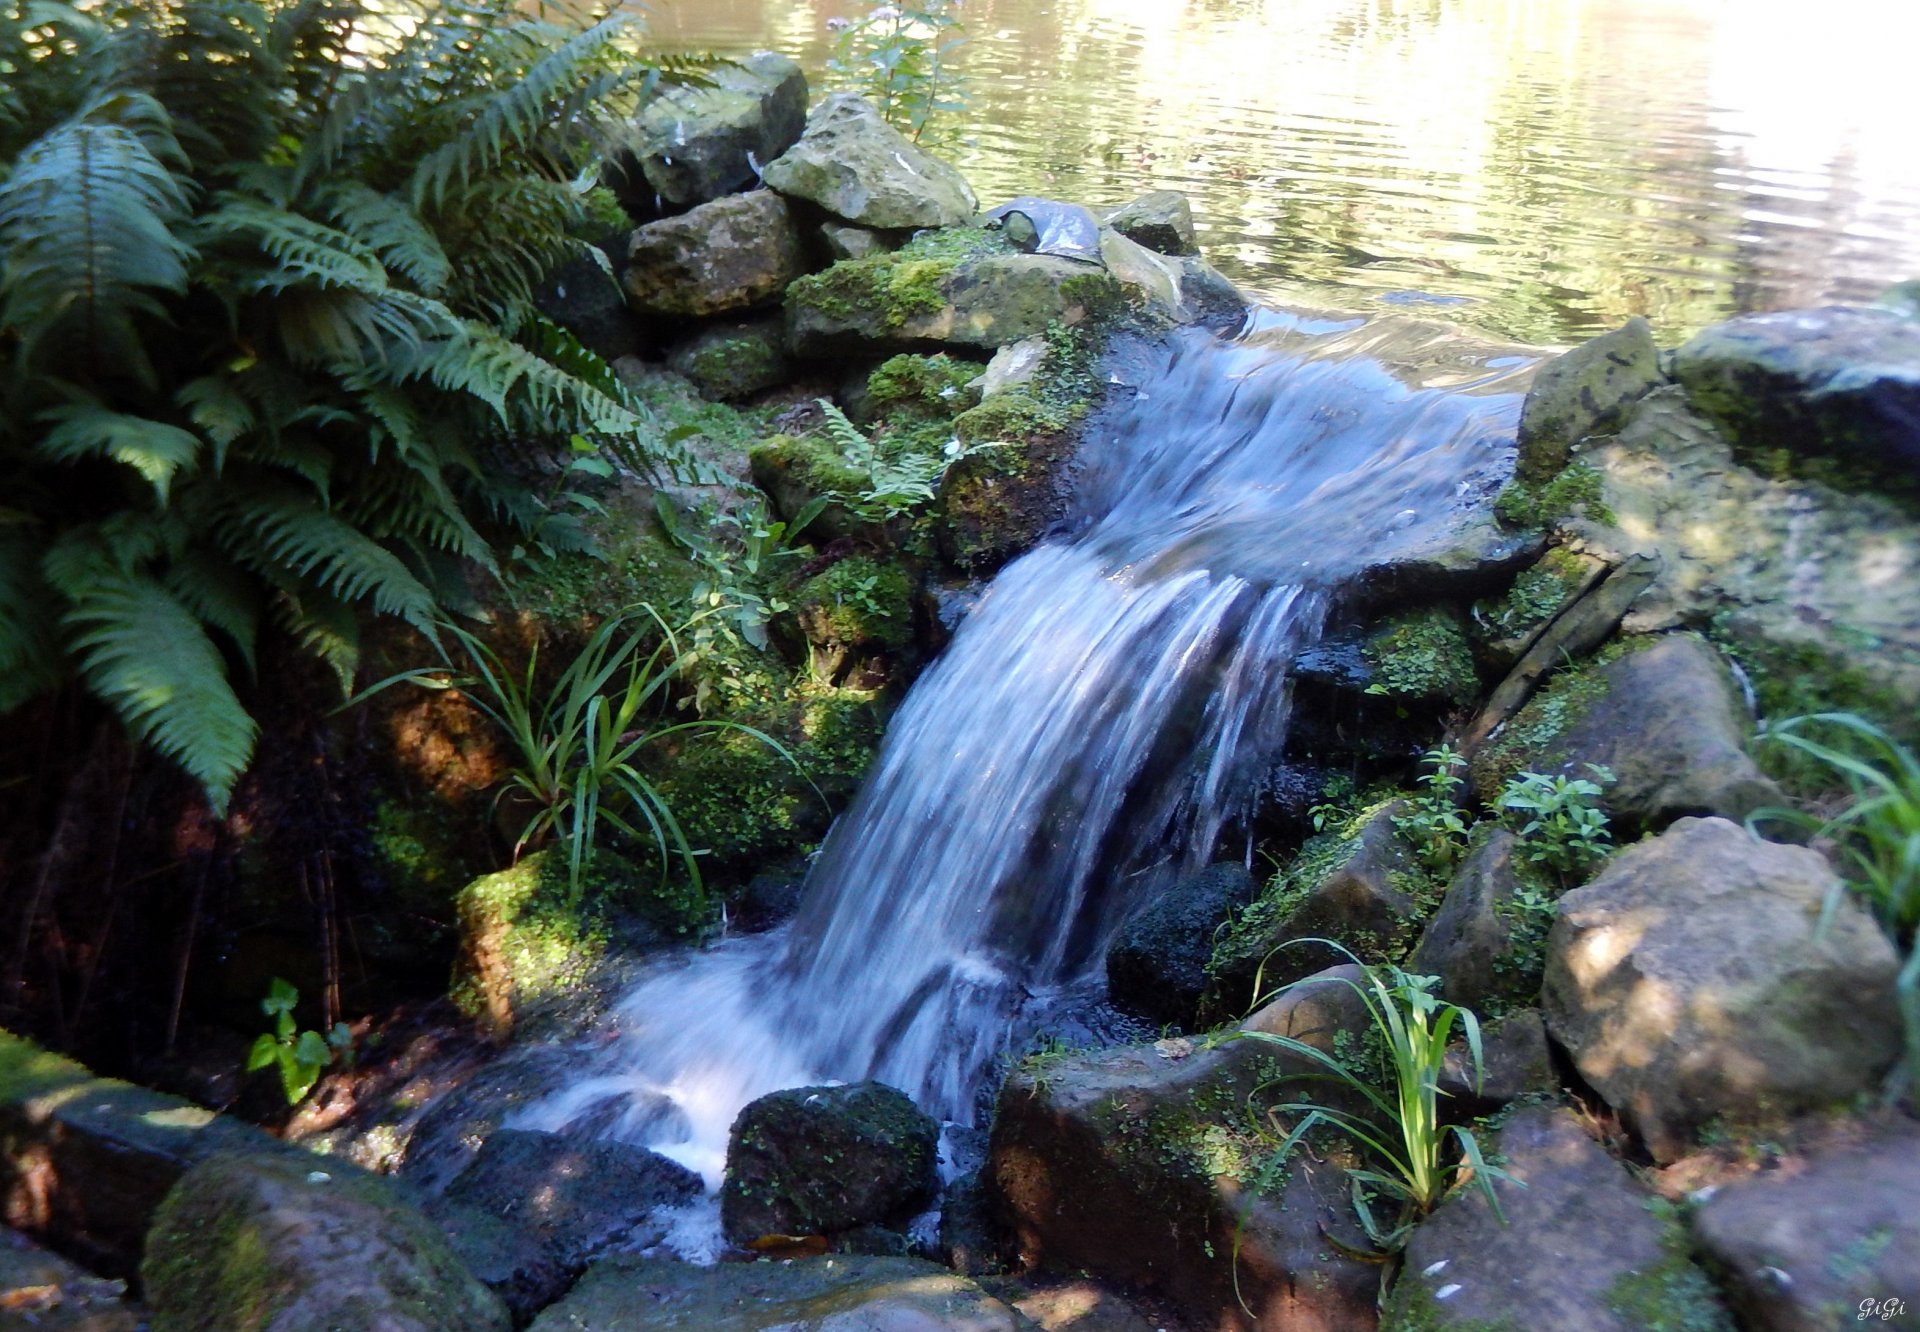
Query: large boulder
[1144,1166]
[820,1160]
[837,1294]
[1839,386]
[701,141]
[1480,943]
[859,168]
[731,254]
[1834,1243]
[1695,977]
[247,1243]
[1664,716]
[1161,220]
[1581,1248]
[1157,964]
[1583,392]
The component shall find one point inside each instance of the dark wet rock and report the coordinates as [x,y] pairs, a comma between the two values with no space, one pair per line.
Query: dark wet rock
[1584,392]
[1583,1248]
[1048,226]
[770,897]
[699,142]
[816,1160]
[509,1261]
[828,1294]
[1803,1248]
[582,297]
[1121,1163]
[1472,943]
[731,254]
[1162,220]
[1157,965]
[1693,978]
[41,1290]
[85,1161]
[573,1198]
[862,170]
[250,1241]
[1838,384]
[733,361]
[1665,717]
[1516,1061]
[1351,889]
[970,1241]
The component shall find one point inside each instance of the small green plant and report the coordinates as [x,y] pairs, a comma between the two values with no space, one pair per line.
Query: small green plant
[299,1055]
[1410,1169]
[1876,831]
[899,58]
[1559,826]
[579,744]
[740,551]
[1434,822]
[899,480]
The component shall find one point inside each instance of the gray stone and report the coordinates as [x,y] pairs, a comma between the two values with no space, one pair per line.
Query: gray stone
[1176,290]
[281,1245]
[730,254]
[1162,220]
[1516,1061]
[1014,366]
[1580,1250]
[1157,965]
[826,1294]
[816,1160]
[862,170]
[1470,943]
[699,142]
[733,361]
[1692,978]
[1582,393]
[1840,383]
[1665,718]
[846,241]
[1804,1248]
[1083,1306]
[43,1291]
[1121,1163]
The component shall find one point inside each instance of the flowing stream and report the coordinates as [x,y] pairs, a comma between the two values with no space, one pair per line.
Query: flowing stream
[1102,718]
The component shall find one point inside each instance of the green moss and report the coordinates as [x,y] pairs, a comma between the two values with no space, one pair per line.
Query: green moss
[857,601]
[1537,595]
[1673,1295]
[732,367]
[424,853]
[1578,489]
[1423,654]
[896,286]
[934,388]
[631,561]
[1527,741]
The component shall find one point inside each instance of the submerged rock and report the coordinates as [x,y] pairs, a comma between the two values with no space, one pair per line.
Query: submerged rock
[727,255]
[1694,977]
[285,1245]
[1162,220]
[1839,384]
[1157,965]
[1581,1248]
[826,1294]
[698,142]
[855,165]
[1810,1247]
[817,1160]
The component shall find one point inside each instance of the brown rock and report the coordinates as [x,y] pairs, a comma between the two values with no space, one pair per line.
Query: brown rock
[730,254]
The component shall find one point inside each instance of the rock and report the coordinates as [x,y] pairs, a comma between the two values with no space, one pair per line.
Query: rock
[1014,366]
[962,289]
[1048,226]
[731,254]
[85,1161]
[1665,717]
[1082,1306]
[862,170]
[1583,1248]
[1507,626]
[283,1245]
[574,1199]
[508,1261]
[1803,1249]
[1174,291]
[733,361]
[1162,220]
[846,241]
[1136,1167]
[1584,392]
[698,142]
[770,897]
[1474,943]
[582,297]
[1515,1062]
[1157,965]
[969,1241]
[815,1160]
[831,1294]
[41,1290]
[1840,385]
[1339,887]
[1693,978]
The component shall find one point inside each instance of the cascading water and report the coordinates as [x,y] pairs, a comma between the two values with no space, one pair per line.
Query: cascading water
[1102,715]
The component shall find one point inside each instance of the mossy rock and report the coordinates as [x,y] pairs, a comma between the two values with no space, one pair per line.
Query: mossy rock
[1583,392]
[1504,626]
[999,500]
[857,602]
[250,1243]
[915,387]
[733,361]
[1421,656]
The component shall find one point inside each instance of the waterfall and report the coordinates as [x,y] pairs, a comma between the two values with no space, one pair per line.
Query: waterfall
[1102,716]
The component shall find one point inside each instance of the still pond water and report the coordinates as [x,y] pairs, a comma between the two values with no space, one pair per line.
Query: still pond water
[1539,168]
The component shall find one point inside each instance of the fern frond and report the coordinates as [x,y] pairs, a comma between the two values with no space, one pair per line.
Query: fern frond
[147,657]
[275,527]
[154,449]
[220,595]
[392,229]
[326,627]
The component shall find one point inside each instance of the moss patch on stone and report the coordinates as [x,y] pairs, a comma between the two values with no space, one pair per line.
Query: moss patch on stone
[896,286]
[1527,741]
[858,601]
[1422,654]
[1537,595]
[1577,490]
[1674,1295]
[912,387]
